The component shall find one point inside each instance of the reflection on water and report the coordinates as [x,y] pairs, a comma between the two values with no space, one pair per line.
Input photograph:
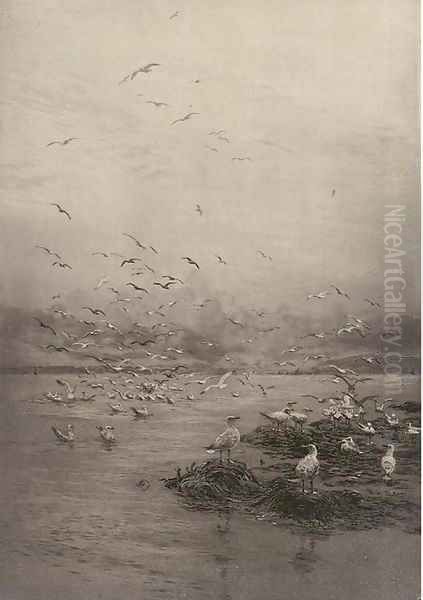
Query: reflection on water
[76,526]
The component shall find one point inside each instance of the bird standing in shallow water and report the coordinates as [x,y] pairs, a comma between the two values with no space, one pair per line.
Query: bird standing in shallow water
[308,467]
[69,436]
[226,440]
[388,462]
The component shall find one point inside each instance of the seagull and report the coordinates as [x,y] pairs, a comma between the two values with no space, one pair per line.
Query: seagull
[373,302]
[348,445]
[278,417]
[220,385]
[175,14]
[70,396]
[368,429]
[241,158]
[235,322]
[392,420]
[339,291]
[221,260]
[388,462]
[101,282]
[319,296]
[134,239]
[61,210]
[50,252]
[165,286]
[100,254]
[308,467]
[117,408]
[218,132]
[299,419]
[57,348]
[199,209]
[191,261]
[129,261]
[69,436]
[185,118]
[64,142]
[140,412]
[136,287]
[106,433]
[44,325]
[61,265]
[146,69]
[227,440]
[94,311]
[172,278]
[156,104]
[285,363]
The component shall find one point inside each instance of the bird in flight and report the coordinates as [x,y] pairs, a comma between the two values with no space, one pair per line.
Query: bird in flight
[44,325]
[240,158]
[172,278]
[185,118]
[94,311]
[61,210]
[199,209]
[138,243]
[101,282]
[50,252]
[235,322]
[165,286]
[57,348]
[221,260]
[217,132]
[61,265]
[146,69]
[129,261]
[191,261]
[339,291]
[373,302]
[100,254]
[263,255]
[219,385]
[136,287]
[175,14]
[64,142]
[319,296]
[157,104]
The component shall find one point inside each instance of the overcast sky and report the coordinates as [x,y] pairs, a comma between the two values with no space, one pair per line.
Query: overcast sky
[320,95]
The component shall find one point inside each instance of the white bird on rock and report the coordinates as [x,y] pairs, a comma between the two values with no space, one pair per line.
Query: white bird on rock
[388,462]
[308,467]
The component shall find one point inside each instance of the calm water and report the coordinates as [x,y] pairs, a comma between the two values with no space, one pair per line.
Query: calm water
[75,526]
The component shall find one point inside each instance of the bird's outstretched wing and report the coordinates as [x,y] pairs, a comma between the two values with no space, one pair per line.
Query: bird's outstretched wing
[224,378]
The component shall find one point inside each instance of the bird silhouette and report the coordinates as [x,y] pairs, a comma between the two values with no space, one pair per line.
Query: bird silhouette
[191,261]
[62,265]
[61,210]
[64,142]
[156,104]
[50,252]
[146,69]
[138,243]
[165,286]
[44,325]
[185,118]
[137,287]
[94,311]
[129,261]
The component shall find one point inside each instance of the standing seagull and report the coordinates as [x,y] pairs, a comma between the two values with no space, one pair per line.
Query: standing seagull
[226,440]
[388,462]
[185,118]
[61,210]
[308,467]
[69,436]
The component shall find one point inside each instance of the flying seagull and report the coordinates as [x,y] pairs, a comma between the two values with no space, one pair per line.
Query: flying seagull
[64,142]
[339,291]
[61,265]
[199,209]
[146,69]
[129,261]
[175,14]
[241,158]
[50,252]
[136,287]
[44,325]
[61,210]
[191,261]
[221,260]
[138,243]
[185,118]
[165,286]
[95,311]
[156,104]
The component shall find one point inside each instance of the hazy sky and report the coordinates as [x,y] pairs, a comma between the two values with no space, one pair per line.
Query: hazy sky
[320,94]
